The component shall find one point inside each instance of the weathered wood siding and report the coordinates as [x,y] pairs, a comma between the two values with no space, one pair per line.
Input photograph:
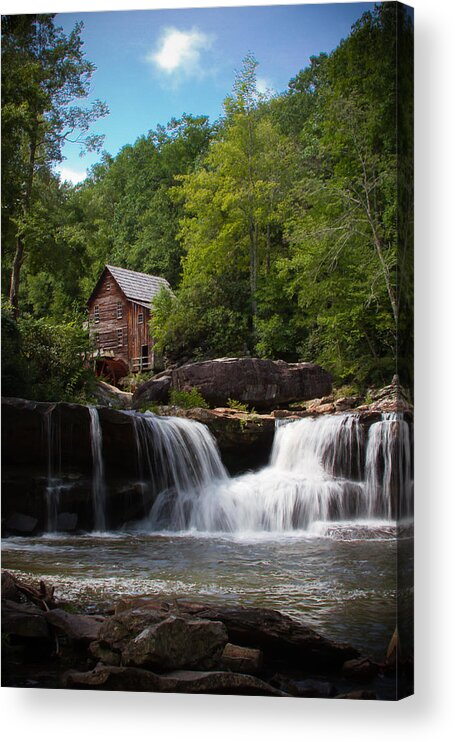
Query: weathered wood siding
[139,332]
[108,298]
[105,306]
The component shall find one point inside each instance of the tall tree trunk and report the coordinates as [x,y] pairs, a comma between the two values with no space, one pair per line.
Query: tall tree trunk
[371,216]
[268,251]
[252,225]
[253,266]
[19,254]
[15,276]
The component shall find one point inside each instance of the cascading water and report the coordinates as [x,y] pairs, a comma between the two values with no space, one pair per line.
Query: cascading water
[99,497]
[332,445]
[296,489]
[54,486]
[321,470]
[389,484]
[316,473]
[176,457]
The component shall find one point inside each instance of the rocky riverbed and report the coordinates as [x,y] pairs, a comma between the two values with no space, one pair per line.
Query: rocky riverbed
[173,645]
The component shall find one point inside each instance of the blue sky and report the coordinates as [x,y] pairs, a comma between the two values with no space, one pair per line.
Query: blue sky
[156,64]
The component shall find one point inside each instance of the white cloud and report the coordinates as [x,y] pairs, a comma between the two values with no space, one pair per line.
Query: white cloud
[73,176]
[180,51]
[264,86]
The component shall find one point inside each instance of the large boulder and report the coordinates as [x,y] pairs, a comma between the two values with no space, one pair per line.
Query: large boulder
[155,390]
[177,643]
[77,627]
[283,641]
[153,634]
[110,396]
[24,620]
[261,383]
[129,621]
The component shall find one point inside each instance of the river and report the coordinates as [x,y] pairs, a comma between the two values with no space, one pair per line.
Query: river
[341,581]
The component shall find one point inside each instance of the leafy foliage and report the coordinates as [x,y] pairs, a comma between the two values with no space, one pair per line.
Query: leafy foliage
[45,361]
[234,404]
[285,229]
[150,407]
[44,75]
[290,222]
[187,398]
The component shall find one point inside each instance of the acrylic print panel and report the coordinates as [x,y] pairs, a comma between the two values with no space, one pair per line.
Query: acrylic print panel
[207,351]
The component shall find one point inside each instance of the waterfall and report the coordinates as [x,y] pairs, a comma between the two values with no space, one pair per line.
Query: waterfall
[98,482]
[333,444]
[389,484]
[176,459]
[54,485]
[320,470]
[295,490]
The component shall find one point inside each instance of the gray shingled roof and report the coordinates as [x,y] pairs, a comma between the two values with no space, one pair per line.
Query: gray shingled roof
[139,287]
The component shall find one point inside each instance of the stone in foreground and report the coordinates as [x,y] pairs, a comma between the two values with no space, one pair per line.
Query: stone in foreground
[77,627]
[282,639]
[186,681]
[24,620]
[358,695]
[177,643]
[242,659]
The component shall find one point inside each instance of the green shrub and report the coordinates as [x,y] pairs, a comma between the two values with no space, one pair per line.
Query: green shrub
[150,407]
[45,361]
[347,390]
[234,404]
[187,399]
[14,369]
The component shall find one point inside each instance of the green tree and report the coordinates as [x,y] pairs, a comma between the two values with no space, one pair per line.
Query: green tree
[343,228]
[44,72]
[231,228]
[124,213]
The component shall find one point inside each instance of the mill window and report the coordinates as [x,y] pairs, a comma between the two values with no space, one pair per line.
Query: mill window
[119,338]
[119,310]
[140,319]
[96,313]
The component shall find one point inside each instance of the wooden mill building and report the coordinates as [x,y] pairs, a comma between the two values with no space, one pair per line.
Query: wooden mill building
[119,312]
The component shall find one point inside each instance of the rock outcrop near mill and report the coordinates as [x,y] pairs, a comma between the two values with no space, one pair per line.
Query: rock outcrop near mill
[258,382]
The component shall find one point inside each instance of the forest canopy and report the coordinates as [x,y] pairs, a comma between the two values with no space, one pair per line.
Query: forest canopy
[283,228]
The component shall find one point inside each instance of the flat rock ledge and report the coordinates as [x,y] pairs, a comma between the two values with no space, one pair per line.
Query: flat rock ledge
[180,681]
